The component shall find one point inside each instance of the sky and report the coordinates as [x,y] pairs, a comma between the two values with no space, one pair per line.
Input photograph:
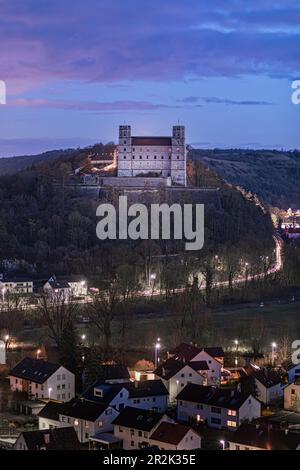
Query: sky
[75,70]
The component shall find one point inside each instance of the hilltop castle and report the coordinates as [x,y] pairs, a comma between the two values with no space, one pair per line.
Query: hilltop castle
[152,156]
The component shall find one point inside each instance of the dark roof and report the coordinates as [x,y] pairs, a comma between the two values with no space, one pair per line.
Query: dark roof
[82,409]
[151,141]
[55,284]
[50,411]
[172,433]
[265,437]
[267,377]
[288,365]
[35,370]
[219,397]
[170,367]
[137,389]
[52,439]
[113,372]
[189,351]
[146,388]
[136,418]
[71,278]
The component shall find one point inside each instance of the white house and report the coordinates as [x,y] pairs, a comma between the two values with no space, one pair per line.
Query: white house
[292,396]
[268,383]
[176,374]
[48,439]
[292,370]
[135,426]
[219,408]
[16,285]
[213,356]
[148,395]
[42,380]
[259,437]
[174,436]
[86,417]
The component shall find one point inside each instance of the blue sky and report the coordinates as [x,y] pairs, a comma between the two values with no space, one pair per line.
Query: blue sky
[75,70]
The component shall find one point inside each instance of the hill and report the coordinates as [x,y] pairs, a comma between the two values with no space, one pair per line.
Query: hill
[273,175]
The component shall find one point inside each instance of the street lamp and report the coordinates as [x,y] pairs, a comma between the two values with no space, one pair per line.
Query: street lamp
[156,349]
[49,392]
[236,342]
[83,337]
[274,346]
[38,352]
[222,442]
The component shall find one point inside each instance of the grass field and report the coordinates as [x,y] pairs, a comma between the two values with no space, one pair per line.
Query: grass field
[223,325]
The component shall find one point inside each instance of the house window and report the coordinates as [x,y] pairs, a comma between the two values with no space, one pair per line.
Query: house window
[132,443]
[58,387]
[63,377]
[140,434]
[182,375]
[140,157]
[58,377]
[132,432]
[145,434]
[215,421]
[231,424]
[293,391]
[154,157]
[86,435]
[124,157]
[190,374]
[214,409]
[100,424]
[237,448]
[124,149]
[121,395]
[199,407]
[63,396]
[231,413]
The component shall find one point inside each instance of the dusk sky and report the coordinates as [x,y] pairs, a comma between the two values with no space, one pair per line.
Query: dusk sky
[75,70]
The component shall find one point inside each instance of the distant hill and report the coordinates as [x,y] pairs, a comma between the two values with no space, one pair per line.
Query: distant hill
[273,175]
[11,165]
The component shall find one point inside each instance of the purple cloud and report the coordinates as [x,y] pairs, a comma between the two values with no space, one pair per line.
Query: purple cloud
[215,100]
[106,41]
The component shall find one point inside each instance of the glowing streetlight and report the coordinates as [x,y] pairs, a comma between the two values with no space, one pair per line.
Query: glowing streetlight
[222,442]
[49,392]
[156,349]
[6,338]
[153,276]
[83,337]
[38,352]
[274,346]
[82,283]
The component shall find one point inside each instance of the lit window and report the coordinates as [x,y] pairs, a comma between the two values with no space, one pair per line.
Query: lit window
[231,424]
[231,413]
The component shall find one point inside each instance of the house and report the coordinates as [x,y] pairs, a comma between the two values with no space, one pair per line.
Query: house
[213,356]
[292,370]
[174,436]
[176,374]
[135,426]
[15,285]
[57,291]
[268,383]
[252,436]
[149,395]
[50,439]
[113,373]
[218,407]
[87,418]
[42,380]
[292,396]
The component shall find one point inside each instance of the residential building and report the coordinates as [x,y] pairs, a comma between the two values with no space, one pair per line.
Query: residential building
[213,356]
[161,156]
[113,373]
[268,383]
[292,396]
[50,439]
[87,418]
[292,370]
[135,426]
[252,436]
[15,285]
[176,374]
[174,436]
[42,380]
[149,395]
[218,407]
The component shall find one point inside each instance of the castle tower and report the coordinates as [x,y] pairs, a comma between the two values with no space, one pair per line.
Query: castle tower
[124,151]
[178,157]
